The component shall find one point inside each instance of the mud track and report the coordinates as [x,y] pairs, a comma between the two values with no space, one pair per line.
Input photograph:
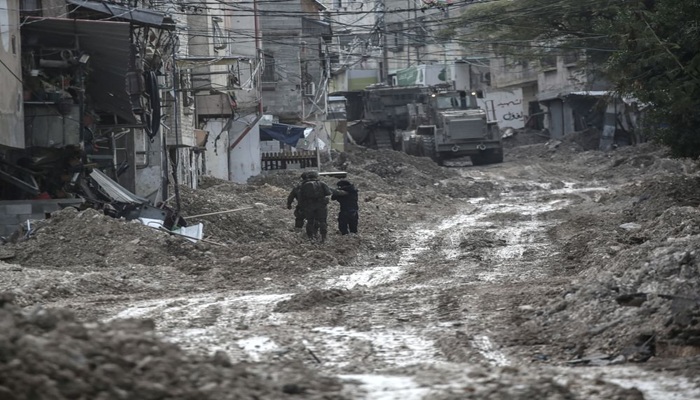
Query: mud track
[495,282]
[430,320]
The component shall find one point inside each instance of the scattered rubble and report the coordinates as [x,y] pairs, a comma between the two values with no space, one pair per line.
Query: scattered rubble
[622,286]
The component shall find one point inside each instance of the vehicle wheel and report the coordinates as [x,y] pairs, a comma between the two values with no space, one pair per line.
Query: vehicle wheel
[494,156]
[428,144]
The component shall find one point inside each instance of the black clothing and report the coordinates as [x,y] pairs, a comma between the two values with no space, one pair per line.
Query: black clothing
[298,211]
[348,221]
[348,217]
[316,211]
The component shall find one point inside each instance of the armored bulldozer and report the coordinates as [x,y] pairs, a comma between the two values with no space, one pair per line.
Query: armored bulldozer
[385,113]
[429,121]
[450,125]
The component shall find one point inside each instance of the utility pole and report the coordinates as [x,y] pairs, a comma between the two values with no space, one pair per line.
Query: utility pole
[408,44]
[385,50]
[258,55]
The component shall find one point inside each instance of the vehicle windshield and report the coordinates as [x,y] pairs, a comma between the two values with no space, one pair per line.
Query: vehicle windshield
[446,102]
[460,100]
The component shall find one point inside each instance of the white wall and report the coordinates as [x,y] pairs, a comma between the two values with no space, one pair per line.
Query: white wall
[216,163]
[11,106]
[244,159]
[509,107]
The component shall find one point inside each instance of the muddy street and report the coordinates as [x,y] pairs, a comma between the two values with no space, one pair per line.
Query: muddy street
[491,282]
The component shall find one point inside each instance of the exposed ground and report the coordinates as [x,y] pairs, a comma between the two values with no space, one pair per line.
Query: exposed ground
[563,273]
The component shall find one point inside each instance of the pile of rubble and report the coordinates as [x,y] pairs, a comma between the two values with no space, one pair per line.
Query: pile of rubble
[632,260]
[48,354]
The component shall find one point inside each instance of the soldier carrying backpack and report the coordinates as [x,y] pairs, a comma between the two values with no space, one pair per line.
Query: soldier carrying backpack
[313,198]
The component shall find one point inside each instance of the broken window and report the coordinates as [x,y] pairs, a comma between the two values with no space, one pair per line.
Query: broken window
[268,74]
[549,61]
[396,36]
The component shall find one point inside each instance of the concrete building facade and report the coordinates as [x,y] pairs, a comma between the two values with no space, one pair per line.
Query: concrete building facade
[11,101]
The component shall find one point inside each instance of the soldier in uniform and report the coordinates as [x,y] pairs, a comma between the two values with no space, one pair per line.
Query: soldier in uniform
[313,196]
[298,212]
[348,216]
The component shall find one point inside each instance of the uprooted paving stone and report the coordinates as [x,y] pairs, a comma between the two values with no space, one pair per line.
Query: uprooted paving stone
[47,354]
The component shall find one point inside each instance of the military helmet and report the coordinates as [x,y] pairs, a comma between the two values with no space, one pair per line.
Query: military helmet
[311,175]
[344,183]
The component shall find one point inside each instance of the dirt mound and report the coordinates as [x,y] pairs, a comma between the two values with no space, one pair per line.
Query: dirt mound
[515,384]
[314,298]
[635,295]
[247,231]
[47,354]
[524,137]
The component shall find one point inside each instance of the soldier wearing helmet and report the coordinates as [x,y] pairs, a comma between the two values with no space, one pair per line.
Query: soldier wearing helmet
[298,211]
[313,197]
[348,216]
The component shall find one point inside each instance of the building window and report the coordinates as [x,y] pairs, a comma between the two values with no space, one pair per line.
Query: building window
[396,36]
[337,4]
[571,57]
[548,62]
[268,74]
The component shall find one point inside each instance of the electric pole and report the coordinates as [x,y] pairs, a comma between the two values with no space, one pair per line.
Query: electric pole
[385,50]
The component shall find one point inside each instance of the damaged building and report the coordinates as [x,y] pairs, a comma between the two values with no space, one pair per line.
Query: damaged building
[85,121]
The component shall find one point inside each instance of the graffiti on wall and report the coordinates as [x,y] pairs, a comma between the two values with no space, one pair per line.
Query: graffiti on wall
[507,107]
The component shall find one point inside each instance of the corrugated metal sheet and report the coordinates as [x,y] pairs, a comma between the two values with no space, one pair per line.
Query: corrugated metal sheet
[140,16]
[109,47]
[114,190]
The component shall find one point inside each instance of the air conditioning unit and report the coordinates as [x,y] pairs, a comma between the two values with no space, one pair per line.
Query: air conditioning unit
[310,89]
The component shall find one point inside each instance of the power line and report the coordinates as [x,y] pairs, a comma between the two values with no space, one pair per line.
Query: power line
[10,71]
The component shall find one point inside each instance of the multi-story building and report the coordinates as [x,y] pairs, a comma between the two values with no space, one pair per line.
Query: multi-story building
[556,92]
[117,87]
[11,102]
[295,54]
[222,72]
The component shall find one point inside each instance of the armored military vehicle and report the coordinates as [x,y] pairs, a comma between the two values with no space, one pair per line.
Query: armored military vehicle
[435,122]
[385,113]
[450,125]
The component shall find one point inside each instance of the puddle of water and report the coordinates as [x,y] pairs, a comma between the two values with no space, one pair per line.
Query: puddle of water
[255,346]
[397,348]
[192,305]
[383,387]
[385,274]
[486,348]
[653,385]
[175,317]
[368,277]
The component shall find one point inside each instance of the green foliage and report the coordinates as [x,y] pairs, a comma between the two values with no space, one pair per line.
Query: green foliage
[658,62]
[530,29]
[648,49]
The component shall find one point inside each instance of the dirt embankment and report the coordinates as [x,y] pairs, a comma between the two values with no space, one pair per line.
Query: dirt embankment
[631,256]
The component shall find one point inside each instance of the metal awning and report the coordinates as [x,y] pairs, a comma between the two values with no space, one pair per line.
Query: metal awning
[109,45]
[139,16]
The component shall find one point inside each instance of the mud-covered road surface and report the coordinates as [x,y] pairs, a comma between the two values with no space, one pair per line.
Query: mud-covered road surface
[559,274]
